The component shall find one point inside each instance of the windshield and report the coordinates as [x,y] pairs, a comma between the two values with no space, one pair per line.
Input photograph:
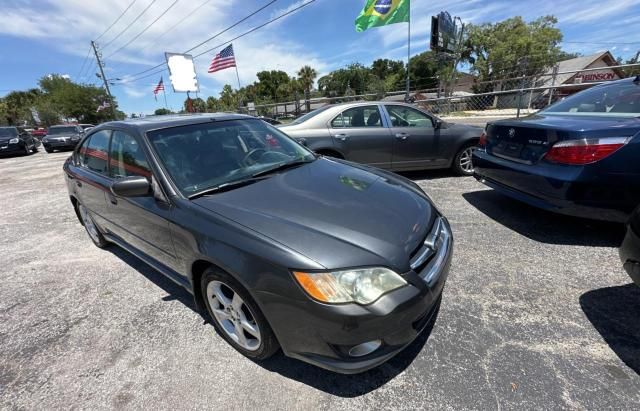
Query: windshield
[309,115]
[62,130]
[202,156]
[615,100]
[8,132]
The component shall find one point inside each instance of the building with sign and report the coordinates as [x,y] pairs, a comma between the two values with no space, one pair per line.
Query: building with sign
[572,79]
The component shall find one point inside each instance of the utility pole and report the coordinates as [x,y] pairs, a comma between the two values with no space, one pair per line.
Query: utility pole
[104,78]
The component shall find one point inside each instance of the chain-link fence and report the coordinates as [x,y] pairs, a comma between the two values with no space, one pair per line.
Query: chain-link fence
[507,97]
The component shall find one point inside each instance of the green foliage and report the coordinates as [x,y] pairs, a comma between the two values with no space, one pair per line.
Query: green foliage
[513,47]
[306,77]
[162,112]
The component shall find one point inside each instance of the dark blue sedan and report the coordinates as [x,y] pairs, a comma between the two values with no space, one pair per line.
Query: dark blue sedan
[579,157]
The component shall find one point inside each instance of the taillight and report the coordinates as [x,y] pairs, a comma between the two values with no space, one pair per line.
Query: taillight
[585,151]
[482,143]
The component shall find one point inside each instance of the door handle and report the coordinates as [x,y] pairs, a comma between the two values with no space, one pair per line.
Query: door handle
[113,200]
[78,183]
[342,137]
[402,136]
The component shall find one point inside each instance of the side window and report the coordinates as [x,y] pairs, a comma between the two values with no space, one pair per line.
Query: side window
[364,116]
[402,116]
[93,152]
[127,158]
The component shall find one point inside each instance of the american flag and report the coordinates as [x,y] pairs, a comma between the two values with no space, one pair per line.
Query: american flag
[223,60]
[159,88]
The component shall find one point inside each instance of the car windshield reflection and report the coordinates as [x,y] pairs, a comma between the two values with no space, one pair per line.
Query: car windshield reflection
[203,156]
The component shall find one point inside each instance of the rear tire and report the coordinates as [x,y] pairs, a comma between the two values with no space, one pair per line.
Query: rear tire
[92,229]
[236,316]
[462,164]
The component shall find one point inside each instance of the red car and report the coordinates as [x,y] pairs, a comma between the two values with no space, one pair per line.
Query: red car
[39,133]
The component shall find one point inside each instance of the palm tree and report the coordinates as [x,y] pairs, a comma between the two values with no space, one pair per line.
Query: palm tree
[307,76]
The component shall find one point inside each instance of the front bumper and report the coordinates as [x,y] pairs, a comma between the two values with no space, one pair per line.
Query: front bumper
[322,334]
[571,190]
[58,145]
[16,148]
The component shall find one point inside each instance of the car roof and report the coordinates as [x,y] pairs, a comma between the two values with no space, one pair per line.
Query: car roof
[144,124]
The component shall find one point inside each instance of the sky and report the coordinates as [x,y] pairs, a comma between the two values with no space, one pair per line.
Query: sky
[39,37]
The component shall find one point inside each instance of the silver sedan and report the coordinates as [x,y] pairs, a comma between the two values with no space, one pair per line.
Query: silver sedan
[392,136]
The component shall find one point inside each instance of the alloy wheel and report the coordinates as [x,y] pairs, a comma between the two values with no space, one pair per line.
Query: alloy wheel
[233,315]
[466,164]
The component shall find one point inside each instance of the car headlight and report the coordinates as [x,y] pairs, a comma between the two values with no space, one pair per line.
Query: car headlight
[362,285]
[14,140]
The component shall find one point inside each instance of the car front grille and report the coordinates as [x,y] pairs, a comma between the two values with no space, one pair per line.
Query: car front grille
[430,258]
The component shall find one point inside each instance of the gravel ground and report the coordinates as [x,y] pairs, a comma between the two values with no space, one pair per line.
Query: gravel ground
[537,313]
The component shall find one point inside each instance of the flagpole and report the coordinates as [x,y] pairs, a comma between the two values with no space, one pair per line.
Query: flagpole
[408,53]
[239,86]
[165,98]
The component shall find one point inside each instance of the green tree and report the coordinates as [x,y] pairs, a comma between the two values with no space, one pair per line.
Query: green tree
[512,48]
[270,81]
[228,99]
[355,77]
[306,77]
[162,111]
[383,68]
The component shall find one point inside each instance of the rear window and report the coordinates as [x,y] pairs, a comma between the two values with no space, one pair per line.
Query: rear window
[309,115]
[620,99]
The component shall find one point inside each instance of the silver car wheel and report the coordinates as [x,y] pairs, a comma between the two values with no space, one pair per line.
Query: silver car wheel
[233,315]
[92,230]
[465,160]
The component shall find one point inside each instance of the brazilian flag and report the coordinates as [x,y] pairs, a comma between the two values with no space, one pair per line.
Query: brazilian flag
[382,12]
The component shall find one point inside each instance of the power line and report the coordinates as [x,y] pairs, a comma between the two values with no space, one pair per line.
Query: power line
[257,27]
[117,20]
[130,24]
[230,27]
[84,62]
[210,38]
[145,29]
[178,23]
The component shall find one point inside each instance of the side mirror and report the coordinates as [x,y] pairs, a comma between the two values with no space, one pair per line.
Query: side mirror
[131,187]
[437,123]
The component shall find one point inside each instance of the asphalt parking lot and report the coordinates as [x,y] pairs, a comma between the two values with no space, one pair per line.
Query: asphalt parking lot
[537,313]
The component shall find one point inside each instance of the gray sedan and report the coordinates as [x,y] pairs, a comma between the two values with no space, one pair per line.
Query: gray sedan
[393,136]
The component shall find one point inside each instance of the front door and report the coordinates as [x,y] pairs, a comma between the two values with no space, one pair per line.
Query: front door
[359,134]
[140,221]
[415,138]
[91,175]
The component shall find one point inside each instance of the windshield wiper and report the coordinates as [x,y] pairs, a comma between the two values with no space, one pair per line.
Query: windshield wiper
[224,187]
[281,167]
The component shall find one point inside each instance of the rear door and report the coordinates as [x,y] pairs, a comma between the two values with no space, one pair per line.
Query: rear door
[415,142]
[140,221]
[91,178]
[360,134]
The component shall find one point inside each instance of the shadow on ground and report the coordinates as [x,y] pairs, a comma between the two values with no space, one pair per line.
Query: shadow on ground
[544,226]
[330,382]
[349,385]
[428,174]
[615,313]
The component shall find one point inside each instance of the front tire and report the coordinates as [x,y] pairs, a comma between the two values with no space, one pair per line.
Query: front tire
[92,229]
[462,164]
[236,316]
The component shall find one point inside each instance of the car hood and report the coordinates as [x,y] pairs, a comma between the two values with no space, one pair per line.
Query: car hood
[333,213]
